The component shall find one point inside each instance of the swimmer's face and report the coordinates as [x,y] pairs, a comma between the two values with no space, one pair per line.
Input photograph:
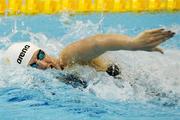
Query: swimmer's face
[42,60]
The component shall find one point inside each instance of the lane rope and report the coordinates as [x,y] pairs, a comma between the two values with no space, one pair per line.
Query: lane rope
[31,7]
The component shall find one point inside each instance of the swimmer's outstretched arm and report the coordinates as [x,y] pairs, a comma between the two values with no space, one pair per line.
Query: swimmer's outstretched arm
[89,48]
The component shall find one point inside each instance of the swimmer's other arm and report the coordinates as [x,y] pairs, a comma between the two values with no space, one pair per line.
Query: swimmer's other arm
[90,48]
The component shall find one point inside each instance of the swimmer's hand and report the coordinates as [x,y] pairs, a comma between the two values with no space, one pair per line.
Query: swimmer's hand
[150,39]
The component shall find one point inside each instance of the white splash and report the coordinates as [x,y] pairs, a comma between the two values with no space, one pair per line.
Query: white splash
[145,76]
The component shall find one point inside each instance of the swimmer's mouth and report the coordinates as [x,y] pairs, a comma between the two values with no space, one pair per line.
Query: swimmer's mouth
[51,66]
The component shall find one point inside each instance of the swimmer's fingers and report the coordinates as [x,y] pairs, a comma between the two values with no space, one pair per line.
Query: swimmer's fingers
[158,40]
[161,37]
[157,49]
[151,38]
[157,32]
[164,33]
[154,31]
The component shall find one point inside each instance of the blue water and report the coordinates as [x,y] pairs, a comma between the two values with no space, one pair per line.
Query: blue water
[149,88]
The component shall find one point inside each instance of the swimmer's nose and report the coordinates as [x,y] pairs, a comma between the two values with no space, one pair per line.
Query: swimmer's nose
[113,70]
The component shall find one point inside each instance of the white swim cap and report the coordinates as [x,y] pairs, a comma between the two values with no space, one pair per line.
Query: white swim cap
[20,53]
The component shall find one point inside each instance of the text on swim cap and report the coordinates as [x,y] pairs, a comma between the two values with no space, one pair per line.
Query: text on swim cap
[22,54]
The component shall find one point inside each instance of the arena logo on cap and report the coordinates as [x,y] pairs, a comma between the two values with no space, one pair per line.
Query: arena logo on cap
[22,54]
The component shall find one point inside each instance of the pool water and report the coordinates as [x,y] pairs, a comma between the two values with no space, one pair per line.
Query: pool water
[148,88]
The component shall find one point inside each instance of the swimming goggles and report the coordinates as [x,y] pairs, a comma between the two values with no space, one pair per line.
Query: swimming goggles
[40,56]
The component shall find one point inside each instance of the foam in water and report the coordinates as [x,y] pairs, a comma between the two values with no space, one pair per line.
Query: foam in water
[146,76]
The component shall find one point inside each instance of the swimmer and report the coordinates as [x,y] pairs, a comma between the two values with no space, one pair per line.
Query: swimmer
[87,51]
